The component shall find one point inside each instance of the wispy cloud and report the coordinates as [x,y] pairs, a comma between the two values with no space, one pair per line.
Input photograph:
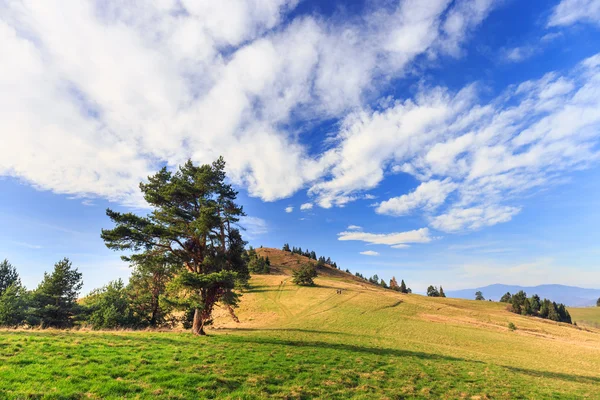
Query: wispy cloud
[254,226]
[306,206]
[569,12]
[289,209]
[390,239]
[369,253]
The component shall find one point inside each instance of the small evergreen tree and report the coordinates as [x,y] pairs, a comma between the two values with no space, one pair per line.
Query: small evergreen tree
[394,284]
[13,305]
[147,284]
[518,302]
[506,298]
[432,291]
[553,312]
[479,295]
[304,276]
[55,299]
[320,262]
[313,255]
[286,247]
[535,303]
[403,288]
[598,302]
[383,284]
[109,308]
[442,294]
[8,276]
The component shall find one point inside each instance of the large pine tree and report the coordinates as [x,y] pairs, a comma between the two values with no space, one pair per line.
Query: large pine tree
[193,220]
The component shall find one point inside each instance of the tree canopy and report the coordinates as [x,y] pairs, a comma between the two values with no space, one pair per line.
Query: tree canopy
[192,223]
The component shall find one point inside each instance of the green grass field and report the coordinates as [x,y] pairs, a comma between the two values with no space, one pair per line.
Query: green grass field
[309,342]
[588,316]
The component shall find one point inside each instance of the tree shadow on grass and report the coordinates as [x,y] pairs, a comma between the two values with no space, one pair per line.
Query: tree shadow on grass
[555,375]
[297,330]
[379,351]
[382,351]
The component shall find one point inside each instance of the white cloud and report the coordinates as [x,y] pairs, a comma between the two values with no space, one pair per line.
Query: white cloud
[354,228]
[518,54]
[569,12]
[289,209]
[254,226]
[369,253]
[526,138]
[196,80]
[428,195]
[457,219]
[306,206]
[391,239]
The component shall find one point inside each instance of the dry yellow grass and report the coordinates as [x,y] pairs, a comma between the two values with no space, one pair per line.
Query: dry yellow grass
[475,330]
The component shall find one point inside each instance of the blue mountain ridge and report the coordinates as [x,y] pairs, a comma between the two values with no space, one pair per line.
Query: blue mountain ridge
[571,296]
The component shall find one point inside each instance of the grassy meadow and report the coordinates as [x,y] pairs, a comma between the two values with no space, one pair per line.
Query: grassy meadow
[310,342]
[586,316]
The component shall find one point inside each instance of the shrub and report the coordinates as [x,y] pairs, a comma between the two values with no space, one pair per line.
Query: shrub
[109,308]
[512,326]
[305,275]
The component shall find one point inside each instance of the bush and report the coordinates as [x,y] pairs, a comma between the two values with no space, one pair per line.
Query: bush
[432,291]
[109,308]
[305,275]
[512,326]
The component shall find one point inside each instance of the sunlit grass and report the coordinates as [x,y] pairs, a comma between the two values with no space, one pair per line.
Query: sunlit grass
[309,342]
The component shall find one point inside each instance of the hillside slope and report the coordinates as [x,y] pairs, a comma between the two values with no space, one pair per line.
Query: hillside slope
[366,314]
[297,342]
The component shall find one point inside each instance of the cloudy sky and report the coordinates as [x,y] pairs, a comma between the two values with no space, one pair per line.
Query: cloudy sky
[451,142]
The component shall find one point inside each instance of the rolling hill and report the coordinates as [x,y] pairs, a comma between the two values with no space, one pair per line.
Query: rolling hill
[298,342]
[570,296]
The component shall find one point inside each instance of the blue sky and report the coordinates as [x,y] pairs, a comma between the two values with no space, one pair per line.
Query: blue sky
[441,142]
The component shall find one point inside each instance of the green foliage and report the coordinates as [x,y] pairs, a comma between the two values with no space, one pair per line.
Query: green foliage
[518,302]
[147,284]
[534,306]
[286,247]
[109,308]
[479,295]
[192,222]
[403,288]
[442,294]
[257,264]
[598,302]
[506,298]
[512,326]
[432,291]
[13,305]
[383,284]
[394,284]
[54,302]
[304,276]
[8,276]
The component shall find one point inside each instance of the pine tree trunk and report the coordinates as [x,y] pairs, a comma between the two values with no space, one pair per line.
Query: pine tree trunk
[198,325]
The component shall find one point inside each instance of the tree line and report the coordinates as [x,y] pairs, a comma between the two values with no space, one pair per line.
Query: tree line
[187,255]
[519,303]
[321,261]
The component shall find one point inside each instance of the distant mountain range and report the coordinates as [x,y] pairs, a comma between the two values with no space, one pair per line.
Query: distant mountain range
[571,296]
